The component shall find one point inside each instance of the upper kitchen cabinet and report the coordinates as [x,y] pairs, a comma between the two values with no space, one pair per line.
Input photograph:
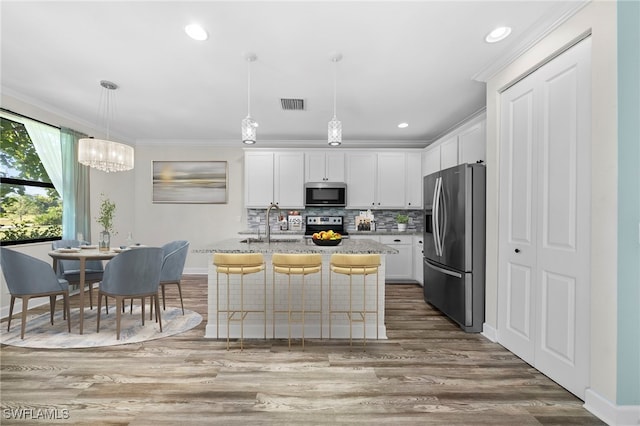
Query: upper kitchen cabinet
[361,178]
[472,143]
[274,177]
[413,195]
[465,144]
[324,166]
[376,180]
[431,160]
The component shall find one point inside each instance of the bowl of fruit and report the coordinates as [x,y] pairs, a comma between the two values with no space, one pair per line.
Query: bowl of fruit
[326,238]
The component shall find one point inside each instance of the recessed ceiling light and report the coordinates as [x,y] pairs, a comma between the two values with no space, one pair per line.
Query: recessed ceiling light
[498,34]
[196,32]
[403,125]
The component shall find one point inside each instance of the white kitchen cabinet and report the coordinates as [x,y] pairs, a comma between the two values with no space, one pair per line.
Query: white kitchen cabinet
[413,191]
[361,179]
[418,270]
[390,180]
[471,144]
[258,179]
[400,265]
[274,177]
[431,160]
[449,153]
[376,180]
[324,166]
[288,188]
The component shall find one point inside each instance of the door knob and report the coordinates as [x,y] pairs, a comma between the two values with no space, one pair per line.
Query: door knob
[517,250]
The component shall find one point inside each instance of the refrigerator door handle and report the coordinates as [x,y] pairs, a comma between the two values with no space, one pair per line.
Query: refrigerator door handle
[444,271]
[434,217]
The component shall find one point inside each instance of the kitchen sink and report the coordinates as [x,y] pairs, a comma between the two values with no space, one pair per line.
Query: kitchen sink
[273,240]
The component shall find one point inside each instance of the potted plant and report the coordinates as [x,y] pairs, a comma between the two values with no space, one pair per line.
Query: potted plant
[105,219]
[402,220]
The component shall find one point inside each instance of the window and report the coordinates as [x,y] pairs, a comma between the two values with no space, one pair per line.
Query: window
[30,204]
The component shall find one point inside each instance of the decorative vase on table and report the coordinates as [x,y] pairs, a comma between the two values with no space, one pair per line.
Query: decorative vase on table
[105,241]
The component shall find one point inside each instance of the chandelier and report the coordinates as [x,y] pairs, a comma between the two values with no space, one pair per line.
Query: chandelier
[249,125]
[104,154]
[335,126]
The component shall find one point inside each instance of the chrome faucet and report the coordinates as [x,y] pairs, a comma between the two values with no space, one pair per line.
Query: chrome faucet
[268,226]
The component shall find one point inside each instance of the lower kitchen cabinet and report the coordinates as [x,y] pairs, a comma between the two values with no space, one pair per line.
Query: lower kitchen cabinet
[418,270]
[399,266]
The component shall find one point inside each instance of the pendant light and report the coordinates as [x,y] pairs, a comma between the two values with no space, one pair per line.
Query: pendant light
[249,126]
[334,137]
[104,154]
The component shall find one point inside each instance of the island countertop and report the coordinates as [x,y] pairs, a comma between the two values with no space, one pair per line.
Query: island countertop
[350,246]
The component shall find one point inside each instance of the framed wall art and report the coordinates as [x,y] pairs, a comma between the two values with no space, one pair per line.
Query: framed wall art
[190,182]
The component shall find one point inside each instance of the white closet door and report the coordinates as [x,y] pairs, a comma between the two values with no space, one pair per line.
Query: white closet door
[543,301]
[563,224]
[518,245]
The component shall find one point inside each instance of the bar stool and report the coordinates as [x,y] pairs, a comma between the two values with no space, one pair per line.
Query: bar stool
[238,264]
[355,264]
[296,264]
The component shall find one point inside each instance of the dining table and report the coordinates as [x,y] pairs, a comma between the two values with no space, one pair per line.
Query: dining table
[82,254]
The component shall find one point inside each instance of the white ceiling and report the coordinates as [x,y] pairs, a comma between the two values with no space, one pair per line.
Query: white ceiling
[409,61]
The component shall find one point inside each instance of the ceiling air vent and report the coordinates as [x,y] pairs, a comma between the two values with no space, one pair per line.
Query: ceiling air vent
[290,104]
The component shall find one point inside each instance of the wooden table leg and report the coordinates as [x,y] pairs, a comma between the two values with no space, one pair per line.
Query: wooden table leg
[82,268]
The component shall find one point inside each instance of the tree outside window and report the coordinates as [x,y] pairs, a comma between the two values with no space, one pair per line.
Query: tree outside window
[30,208]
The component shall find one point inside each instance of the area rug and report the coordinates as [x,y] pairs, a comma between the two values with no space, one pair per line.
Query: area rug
[39,332]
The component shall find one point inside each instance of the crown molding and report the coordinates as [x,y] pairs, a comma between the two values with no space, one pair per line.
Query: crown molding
[546,24]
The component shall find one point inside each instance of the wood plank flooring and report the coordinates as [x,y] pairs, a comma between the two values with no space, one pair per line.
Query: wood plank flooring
[428,372]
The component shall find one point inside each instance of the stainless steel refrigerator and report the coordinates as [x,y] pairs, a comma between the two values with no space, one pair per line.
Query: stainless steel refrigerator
[454,243]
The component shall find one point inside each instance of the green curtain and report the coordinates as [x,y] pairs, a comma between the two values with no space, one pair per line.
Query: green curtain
[76,213]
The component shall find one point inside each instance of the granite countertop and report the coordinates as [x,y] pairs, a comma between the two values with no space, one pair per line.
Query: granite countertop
[359,246]
[351,232]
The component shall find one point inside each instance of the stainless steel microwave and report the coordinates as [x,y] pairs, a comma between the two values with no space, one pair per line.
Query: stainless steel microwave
[325,194]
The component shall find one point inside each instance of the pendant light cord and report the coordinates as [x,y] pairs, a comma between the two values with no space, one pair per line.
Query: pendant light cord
[248,87]
[335,83]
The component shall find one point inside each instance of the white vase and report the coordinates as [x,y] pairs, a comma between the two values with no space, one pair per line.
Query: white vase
[402,227]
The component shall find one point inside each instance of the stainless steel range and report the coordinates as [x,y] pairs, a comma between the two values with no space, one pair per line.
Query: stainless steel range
[315,224]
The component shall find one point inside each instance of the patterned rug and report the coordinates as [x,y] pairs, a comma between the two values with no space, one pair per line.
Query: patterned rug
[39,332]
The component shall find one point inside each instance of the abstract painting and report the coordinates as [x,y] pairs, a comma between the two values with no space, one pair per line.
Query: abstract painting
[196,182]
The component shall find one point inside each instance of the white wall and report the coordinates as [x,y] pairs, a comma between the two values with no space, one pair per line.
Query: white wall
[201,224]
[600,18]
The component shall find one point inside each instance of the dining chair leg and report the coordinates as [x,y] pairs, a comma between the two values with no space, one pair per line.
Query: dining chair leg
[105,308]
[142,307]
[180,293]
[91,295]
[158,313]
[164,303]
[67,311]
[25,307]
[52,307]
[118,318]
[13,300]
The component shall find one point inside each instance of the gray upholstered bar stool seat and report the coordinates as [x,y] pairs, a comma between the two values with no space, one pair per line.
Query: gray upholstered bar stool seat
[238,264]
[350,265]
[302,264]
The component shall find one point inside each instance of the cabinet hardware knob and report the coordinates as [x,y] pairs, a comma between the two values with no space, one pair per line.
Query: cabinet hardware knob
[517,250]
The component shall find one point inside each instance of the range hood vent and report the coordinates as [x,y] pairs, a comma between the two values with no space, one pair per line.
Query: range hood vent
[291,104]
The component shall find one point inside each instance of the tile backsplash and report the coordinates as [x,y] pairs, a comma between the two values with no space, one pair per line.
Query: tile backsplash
[385,219]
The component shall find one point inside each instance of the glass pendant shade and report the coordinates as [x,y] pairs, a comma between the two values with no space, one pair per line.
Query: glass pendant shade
[334,136]
[105,155]
[249,130]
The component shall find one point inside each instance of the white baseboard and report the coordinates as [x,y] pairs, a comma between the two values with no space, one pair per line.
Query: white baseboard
[489,332]
[196,271]
[610,413]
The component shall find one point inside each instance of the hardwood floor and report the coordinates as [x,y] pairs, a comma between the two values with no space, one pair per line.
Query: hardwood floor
[427,372]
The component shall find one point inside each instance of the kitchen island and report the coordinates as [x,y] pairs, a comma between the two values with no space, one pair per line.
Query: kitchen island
[316,292]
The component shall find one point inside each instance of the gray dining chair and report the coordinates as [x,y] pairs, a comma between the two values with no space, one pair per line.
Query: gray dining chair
[28,277]
[70,269]
[132,274]
[175,256]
